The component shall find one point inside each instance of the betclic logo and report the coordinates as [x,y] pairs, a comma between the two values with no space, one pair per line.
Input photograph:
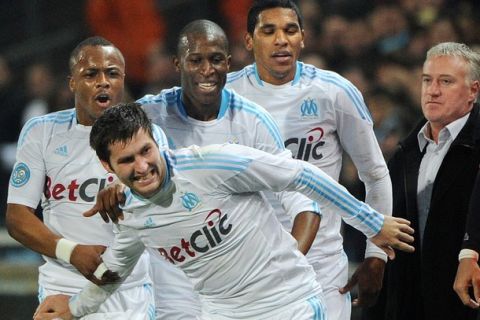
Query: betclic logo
[308,146]
[85,190]
[201,240]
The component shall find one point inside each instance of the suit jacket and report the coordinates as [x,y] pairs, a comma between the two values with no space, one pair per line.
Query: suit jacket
[419,285]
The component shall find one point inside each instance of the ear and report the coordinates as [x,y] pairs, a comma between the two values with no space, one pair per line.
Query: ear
[176,63]
[302,44]
[248,41]
[71,83]
[107,166]
[229,62]
[474,90]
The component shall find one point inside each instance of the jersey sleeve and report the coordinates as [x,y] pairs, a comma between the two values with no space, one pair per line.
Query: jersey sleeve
[27,179]
[121,258]
[355,131]
[269,139]
[268,172]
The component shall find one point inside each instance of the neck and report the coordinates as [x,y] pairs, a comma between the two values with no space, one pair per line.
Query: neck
[433,131]
[276,78]
[202,112]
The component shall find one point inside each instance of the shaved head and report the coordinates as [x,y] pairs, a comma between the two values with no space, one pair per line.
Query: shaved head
[204,28]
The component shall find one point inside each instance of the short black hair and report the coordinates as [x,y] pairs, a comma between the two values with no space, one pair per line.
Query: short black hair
[89,42]
[118,124]
[260,5]
[199,27]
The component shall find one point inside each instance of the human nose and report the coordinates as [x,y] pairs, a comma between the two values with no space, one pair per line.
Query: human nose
[102,80]
[207,68]
[433,88]
[280,38]
[141,165]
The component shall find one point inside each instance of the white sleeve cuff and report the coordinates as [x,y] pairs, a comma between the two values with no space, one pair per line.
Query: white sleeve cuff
[468,254]
[372,251]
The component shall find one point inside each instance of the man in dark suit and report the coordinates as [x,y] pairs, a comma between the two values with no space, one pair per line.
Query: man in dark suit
[433,172]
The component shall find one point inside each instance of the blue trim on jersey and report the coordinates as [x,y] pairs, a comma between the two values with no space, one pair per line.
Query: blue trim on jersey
[350,90]
[159,136]
[220,161]
[298,73]
[334,194]
[224,104]
[165,96]
[59,117]
[316,208]
[257,76]
[318,309]
[233,76]
[180,105]
[238,102]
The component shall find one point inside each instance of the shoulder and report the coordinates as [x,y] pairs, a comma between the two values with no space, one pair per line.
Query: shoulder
[165,96]
[55,121]
[326,78]
[236,76]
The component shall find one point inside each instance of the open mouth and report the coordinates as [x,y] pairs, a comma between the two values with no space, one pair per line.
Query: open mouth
[103,100]
[282,56]
[207,86]
[145,179]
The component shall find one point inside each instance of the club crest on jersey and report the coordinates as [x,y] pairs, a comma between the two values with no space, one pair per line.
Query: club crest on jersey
[190,201]
[20,175]
[309,108]
[307,147]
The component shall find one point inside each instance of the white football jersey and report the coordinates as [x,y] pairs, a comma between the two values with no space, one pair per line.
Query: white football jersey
[320,115]
[239,121]
[210,220]
[55,165]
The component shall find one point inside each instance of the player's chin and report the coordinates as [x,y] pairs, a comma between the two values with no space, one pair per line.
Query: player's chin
[147,190]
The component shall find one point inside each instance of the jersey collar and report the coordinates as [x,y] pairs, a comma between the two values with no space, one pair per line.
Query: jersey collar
[226,94]
[296,78]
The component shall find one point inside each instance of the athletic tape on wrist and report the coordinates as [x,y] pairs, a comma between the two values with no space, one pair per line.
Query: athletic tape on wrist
[64,249]
[468,254]
[100,271]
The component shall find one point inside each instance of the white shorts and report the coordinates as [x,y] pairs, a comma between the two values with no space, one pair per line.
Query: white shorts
[136,303]
[332,274]
[174,295]
[310,309]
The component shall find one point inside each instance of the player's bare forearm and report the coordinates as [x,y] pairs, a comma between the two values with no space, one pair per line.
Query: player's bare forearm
[25,227]
[305,228]
[369,278]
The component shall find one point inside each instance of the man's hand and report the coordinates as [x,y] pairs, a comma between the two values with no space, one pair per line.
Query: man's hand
[108,201]
[369,277]
[54,307]
[86,258]
[468,275]
[396,233]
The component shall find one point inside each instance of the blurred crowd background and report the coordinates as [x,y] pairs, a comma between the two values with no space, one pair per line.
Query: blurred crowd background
[378,45]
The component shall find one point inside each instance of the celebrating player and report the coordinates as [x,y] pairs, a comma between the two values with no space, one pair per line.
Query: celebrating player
[200,208]
[56,165]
